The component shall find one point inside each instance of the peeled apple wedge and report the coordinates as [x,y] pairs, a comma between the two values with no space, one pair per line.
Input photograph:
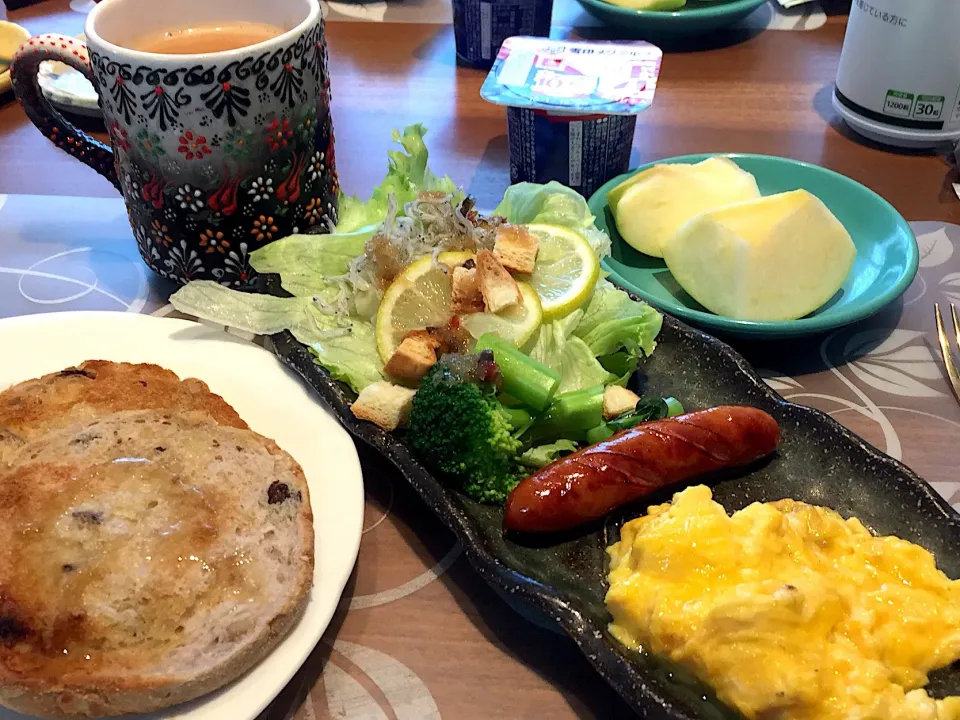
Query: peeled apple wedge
[651,206]
[776,258]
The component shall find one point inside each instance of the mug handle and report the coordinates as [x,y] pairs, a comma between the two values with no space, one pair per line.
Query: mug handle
[23,74]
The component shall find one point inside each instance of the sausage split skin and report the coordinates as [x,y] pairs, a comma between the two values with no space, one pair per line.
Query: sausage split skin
[593,481]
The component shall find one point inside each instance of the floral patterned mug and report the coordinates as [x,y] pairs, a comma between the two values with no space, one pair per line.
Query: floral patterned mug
[216,154]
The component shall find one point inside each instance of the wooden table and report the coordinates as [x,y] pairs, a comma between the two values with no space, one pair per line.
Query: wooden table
[765,94]
[419,635]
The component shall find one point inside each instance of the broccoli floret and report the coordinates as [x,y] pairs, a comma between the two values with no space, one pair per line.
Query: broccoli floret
[460,428]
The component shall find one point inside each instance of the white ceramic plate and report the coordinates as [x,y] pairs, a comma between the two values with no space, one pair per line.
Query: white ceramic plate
[275,403]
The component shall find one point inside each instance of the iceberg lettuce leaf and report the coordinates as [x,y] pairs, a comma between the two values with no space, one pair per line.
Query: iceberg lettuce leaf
[345,347]
[611,320]
[305,262]
[556,347]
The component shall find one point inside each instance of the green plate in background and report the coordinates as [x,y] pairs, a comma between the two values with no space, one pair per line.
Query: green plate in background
[886,263]
[696,18]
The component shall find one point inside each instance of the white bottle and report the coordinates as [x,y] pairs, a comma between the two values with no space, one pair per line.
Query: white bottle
[899,76]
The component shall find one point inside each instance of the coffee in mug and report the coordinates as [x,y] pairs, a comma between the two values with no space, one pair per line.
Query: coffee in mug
[210,38]
[220,133]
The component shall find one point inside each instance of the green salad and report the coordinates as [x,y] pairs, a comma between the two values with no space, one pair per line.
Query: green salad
[492,344]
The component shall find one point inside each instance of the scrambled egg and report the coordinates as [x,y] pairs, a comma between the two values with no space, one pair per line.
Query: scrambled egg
[786,609]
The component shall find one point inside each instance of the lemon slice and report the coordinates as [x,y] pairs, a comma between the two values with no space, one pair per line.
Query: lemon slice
[516,324]
[566,270]
[418,298]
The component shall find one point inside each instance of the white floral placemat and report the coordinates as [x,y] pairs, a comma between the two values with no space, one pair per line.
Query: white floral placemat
[414,609]
[884,377]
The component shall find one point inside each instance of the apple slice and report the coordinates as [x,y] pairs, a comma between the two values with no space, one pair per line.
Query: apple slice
[777,258]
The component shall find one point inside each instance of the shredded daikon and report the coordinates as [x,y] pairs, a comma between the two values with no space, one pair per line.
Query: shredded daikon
[431,224]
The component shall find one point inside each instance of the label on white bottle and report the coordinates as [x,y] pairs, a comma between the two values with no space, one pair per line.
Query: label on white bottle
[900,63]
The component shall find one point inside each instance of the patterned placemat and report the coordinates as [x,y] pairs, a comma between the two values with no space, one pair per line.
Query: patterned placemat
[414,609]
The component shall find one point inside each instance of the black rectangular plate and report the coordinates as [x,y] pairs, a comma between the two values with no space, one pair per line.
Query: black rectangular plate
[819,462]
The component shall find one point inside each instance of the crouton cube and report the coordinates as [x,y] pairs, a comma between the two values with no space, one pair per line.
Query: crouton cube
[497,286]
[617,401]
[466,291]
[384,404]
[414,357]
[516,248]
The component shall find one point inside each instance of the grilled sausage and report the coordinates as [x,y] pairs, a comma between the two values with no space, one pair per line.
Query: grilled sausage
[593,481]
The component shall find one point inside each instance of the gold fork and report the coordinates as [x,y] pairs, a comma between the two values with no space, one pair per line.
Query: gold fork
[945,349]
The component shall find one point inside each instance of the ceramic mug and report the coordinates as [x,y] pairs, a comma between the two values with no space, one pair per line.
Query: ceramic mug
[216,154]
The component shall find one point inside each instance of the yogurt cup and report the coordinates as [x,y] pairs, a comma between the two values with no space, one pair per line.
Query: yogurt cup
[571,106]
[481,26]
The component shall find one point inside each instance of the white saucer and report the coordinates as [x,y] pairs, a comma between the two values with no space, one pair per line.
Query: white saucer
[68,90]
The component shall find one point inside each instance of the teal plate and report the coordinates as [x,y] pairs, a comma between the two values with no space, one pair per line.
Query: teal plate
[886,263]
[696,18]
